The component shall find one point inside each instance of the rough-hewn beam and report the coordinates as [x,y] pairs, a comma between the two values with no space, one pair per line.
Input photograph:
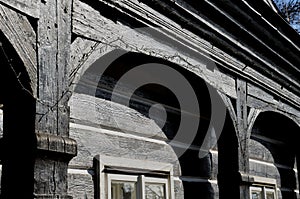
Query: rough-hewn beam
[28,7]
[242,134]
[242,124]
[89,23]
[54,148]
[85,14]
[260,99]
[80,51]
[19,32]
[54,38]
[206,24]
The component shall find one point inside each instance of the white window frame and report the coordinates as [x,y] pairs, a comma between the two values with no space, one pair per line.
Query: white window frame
[104,186]
[156,180]
[141,181]
[271,190]
[256,188]
[263,189]
[117,177]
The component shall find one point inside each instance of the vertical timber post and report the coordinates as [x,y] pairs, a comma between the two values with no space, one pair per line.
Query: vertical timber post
[54,147]
[243,135]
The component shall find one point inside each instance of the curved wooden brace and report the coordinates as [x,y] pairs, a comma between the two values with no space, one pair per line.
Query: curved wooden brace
[28,7]
[21,35]
[229,106]
[89,23]
[81,49]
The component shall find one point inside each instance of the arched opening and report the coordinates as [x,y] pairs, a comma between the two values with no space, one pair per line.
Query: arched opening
[159,102]
[277,134]
[18,112]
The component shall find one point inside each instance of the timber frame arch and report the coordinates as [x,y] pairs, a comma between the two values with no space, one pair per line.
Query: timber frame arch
[257,53]
[30,98]
[18,102]
[276,132]
[195,173]
[20,33]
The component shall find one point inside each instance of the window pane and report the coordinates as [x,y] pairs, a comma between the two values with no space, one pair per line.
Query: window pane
[123,190]
[256,194]
[270,195]
[155,191]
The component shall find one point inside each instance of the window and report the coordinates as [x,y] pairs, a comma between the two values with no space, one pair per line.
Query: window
[136,187]
[262,192]
[122,178]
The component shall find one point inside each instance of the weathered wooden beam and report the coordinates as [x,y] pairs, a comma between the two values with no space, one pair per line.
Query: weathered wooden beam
[259,98]
[89,23]
[19,32]
[253,114]
[28,7]
[242,124]
[85,14]
[230,107]
[54,148]
[80,51]
[242,133]
[54,38]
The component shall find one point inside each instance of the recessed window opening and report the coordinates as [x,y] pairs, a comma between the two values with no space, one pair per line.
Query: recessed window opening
[260,191]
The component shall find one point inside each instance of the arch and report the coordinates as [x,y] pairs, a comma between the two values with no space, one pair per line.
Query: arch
[85,52]
[121,62]
[21,35]
[18,123]
[277,133]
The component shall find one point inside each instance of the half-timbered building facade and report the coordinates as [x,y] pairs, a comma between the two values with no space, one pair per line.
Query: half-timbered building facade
[144,99]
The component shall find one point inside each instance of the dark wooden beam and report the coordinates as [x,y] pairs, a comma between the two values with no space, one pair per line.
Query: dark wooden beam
[243,135]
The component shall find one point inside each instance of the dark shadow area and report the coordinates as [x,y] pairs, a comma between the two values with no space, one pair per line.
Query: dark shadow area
[228,172]
[278,134]
[17,144]
[196,171]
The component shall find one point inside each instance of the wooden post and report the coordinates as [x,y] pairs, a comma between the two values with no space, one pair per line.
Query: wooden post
[243,135]
[54,148]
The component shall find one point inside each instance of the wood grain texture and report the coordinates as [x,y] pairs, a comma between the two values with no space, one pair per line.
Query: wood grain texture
[54,38]
[52,111]
[89,23]
[242,125]
[80,185]
[20,33]
[106,114]
[28,7]
[261,99]
[48,66]
[80,51]
[52,178]
[93,142]
[110,31]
